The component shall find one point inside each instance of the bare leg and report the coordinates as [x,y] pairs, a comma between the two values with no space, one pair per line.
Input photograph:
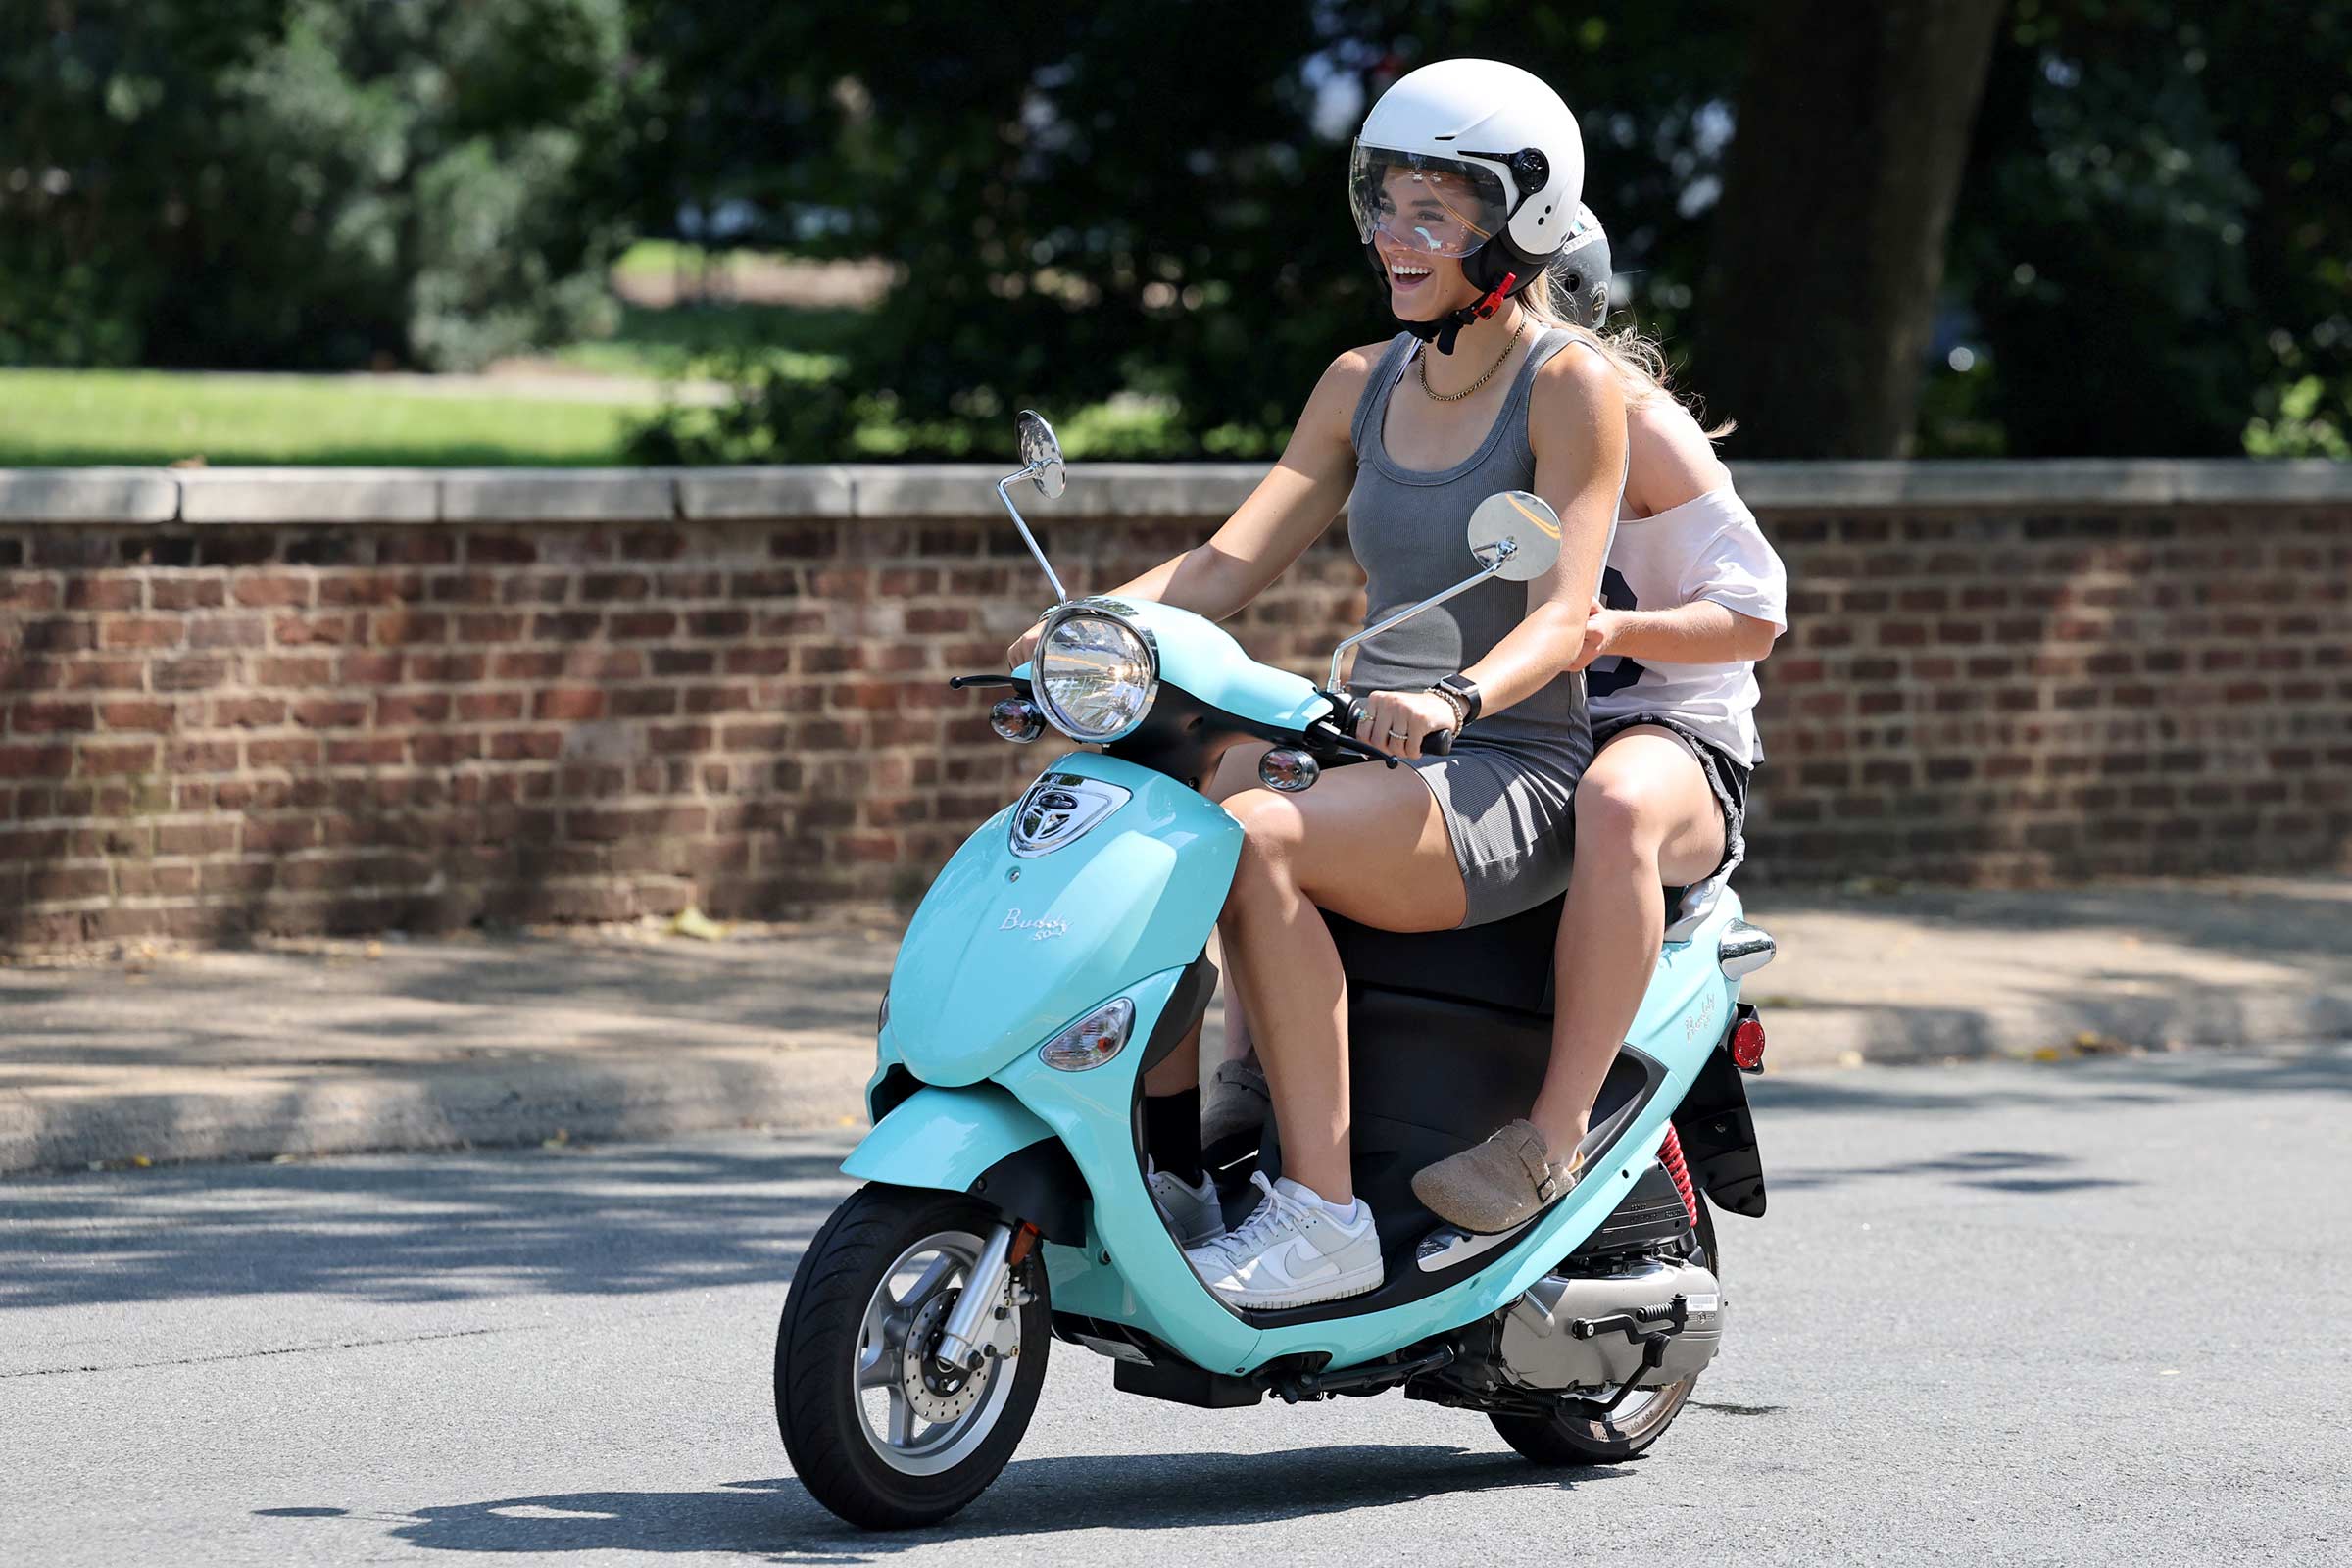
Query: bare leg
[1369,844]
[1180,1069]
[1644,816]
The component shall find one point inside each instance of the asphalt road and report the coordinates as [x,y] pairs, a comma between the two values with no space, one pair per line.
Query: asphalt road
[2082,1313]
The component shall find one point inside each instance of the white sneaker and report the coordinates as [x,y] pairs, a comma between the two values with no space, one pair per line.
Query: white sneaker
[1193,1213]
[1291,1253]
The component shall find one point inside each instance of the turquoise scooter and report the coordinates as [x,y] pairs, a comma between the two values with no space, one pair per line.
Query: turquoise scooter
[1063,952]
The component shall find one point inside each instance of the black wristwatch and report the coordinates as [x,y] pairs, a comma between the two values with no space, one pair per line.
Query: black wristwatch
[1465,688]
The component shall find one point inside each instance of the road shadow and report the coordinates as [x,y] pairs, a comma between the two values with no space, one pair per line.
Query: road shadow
[601,1222]
[777,1521]
[1996,1170]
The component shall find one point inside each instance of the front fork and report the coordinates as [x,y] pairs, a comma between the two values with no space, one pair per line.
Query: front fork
[959,1341]
[964,1338]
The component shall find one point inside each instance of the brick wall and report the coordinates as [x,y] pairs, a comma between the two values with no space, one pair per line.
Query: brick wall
[597,697]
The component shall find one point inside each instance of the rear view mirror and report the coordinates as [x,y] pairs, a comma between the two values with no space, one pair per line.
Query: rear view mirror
[1041,453]
[1517,534]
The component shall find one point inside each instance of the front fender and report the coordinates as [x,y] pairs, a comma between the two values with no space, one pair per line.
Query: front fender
[944,1138]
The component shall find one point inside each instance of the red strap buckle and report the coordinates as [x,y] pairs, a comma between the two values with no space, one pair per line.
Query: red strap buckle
[1494,301]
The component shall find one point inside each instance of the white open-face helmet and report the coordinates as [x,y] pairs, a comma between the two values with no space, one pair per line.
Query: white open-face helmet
[1473,160]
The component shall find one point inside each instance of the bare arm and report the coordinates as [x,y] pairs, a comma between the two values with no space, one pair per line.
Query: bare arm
[1576,425]
[1288,512]
[1700,632]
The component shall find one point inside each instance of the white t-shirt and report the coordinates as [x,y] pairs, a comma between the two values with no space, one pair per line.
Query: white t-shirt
[1707,547]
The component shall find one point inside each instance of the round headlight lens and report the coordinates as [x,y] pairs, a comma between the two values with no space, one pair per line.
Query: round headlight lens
[1096,676]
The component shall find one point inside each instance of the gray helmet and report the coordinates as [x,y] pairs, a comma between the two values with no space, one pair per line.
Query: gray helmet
[1580,272]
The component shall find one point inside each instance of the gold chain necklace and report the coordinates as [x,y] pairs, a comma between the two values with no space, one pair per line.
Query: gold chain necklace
[1456,397]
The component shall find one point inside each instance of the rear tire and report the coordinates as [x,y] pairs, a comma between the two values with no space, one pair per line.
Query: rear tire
[1561,1440]
[866,1302]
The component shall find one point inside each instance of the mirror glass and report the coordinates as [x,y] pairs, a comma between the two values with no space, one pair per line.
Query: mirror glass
[1529,524]
[1041,452]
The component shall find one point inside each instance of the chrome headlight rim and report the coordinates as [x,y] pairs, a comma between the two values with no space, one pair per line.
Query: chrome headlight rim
[1040,689]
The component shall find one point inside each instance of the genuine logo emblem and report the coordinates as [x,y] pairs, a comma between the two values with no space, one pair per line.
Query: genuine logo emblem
[1058,808]
[1042,929]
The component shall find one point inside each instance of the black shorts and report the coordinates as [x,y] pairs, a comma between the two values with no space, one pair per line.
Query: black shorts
[1727,776]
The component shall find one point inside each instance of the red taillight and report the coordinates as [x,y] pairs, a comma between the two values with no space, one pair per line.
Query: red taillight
[1748,1046]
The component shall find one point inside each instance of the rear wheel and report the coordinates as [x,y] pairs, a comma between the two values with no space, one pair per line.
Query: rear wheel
[879,1431]
[1563,1440]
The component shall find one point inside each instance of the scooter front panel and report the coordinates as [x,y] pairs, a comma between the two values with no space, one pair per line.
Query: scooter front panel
[1007,949]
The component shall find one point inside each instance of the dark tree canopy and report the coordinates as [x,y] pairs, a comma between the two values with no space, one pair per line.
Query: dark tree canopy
[305,183]
[1137,210]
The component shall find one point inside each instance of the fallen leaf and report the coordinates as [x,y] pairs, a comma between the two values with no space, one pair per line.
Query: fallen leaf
[692,922]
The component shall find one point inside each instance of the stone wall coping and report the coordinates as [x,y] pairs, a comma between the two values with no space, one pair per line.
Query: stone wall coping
[201,497]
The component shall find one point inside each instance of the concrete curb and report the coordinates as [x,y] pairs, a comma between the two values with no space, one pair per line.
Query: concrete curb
[443,1107]
[1808,1036]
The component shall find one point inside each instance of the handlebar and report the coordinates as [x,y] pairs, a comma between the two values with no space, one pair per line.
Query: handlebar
[1437,743]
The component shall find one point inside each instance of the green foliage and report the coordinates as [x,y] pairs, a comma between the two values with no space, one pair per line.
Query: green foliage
[2299,429]
[2143,242]
[1121,200]
[308,182]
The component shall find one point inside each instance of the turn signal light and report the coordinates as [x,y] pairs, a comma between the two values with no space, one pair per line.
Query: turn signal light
[1018,720]
[1092,1040]
[1748,1046]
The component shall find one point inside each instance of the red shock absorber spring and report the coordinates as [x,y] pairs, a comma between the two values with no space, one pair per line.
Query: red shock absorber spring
[1670,1155]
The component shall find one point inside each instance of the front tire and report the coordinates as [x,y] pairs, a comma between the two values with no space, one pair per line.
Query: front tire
[1563,1440]
[876,1430]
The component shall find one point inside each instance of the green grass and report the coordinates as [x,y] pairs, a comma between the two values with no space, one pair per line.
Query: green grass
[695,340]
[85,416]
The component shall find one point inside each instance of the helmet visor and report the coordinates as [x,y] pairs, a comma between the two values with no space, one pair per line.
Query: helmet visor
[1430,205]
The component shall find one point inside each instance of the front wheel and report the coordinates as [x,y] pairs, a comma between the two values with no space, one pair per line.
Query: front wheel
[877,1430]
[1563,1440]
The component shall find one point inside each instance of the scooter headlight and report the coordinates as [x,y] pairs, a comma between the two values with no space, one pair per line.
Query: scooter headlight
[1092,1040]
[1096,675]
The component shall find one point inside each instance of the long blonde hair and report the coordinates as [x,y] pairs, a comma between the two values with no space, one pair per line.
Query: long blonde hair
[1639,363]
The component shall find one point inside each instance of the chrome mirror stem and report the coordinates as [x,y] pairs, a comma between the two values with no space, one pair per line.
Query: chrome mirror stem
[1060,593]
[1502,554]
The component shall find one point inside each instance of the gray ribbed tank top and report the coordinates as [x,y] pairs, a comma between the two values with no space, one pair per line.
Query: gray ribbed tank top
[1407,528]
[1507,790]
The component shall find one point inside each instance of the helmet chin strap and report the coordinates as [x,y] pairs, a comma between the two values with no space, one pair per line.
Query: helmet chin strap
[1442,332]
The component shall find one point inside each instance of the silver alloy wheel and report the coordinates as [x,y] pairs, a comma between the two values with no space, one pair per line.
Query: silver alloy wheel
[919,1417]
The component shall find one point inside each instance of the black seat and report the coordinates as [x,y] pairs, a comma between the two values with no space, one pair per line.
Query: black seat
[1506,964]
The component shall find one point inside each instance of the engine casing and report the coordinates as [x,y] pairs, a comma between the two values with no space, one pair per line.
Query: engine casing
[1537,1350]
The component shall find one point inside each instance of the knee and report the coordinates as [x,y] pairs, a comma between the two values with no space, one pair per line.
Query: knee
[1270,831]
[1618,821]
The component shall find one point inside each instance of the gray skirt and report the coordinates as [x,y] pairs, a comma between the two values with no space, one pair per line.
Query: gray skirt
[1509,807]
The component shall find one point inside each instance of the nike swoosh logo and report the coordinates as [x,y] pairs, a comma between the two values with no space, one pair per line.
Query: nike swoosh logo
[1300,1261]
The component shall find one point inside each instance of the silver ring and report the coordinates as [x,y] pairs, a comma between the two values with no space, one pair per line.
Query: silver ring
[1398,734]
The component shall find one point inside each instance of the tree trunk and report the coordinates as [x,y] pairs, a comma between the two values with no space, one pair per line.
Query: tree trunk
[1827,250]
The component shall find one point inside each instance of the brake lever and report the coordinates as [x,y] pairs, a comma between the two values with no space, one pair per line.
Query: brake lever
[1339,740]
[957,683]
